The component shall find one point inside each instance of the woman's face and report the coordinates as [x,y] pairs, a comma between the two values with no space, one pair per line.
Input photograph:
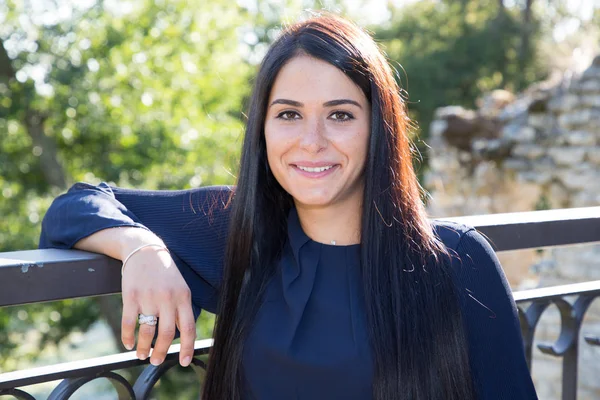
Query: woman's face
[317,130]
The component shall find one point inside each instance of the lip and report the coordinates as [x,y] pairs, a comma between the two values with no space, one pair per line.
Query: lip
[313,164]
[314,175]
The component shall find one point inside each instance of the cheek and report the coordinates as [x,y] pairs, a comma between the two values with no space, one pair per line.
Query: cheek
[277,145]
[356,146]
[365,136]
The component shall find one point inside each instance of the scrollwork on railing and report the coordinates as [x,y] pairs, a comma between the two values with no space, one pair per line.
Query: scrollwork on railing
[125,391]
[16,394]
[76,374]
[70,385]
[571,319]
[151,375]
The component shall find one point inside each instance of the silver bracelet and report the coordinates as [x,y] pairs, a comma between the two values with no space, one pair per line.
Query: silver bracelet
[138,249]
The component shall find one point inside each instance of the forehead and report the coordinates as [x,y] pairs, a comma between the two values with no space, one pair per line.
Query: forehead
[308,79]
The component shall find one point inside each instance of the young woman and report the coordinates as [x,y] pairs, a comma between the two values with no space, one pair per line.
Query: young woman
[328,279]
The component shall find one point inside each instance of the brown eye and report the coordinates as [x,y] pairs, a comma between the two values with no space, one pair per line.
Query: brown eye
[341,116]
[287,115]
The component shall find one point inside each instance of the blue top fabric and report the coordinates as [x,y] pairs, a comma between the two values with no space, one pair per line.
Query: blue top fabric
[309,339]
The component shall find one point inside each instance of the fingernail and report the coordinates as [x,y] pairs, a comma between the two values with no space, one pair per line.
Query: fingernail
[186,361]
[129,347]
[154,362]
[143,356]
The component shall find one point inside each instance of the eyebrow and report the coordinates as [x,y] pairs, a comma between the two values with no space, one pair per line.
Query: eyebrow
[331,103]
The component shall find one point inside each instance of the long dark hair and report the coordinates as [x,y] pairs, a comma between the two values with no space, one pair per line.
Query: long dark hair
[417,338]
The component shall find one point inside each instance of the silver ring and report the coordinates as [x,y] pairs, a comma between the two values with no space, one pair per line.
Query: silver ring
[147,319]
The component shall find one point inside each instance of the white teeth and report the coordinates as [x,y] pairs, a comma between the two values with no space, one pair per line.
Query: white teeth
[318,169]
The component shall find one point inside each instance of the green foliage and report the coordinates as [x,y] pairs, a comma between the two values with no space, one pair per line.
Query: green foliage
[450,52]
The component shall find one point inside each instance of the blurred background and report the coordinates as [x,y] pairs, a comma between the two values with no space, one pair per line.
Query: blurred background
[505,95]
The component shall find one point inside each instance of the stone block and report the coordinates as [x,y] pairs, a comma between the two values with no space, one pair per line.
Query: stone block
[490,104]
[581,138]
[445,112]
[593,155]
[578,178]
[437,128]
[566,102]
[585,199]
[545,163]
[566,156]
[515,164]
[579,257]
[537,177]
[590,100]
[558,195]
[591,73]
[540,121]
[529,151]
[591,86]
[515,110]
[518,133]
[486,172]
[491,149]
[443,163]
[575,119]
[544,266]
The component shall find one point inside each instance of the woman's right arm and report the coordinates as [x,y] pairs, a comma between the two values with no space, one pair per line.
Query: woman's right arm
[114,221]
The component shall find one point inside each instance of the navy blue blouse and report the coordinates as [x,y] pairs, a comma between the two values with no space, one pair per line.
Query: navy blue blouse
[309,339]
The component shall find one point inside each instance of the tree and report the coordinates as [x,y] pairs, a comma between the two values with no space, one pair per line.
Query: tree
[151,97]
[451,52]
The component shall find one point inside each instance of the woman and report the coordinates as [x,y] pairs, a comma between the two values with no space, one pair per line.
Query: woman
[327,278]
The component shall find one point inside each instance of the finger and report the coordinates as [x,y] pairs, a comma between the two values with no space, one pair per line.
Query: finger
[145,336]
[187,330]
[166,334]
[128,323]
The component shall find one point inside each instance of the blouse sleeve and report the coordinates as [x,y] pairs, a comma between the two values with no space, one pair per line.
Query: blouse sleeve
[192,223]
[495,343]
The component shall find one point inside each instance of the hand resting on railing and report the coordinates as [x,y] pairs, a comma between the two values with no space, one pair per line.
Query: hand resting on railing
[152,285]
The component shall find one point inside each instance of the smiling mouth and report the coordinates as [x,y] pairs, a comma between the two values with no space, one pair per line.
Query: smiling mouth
[314,169]
[315,172]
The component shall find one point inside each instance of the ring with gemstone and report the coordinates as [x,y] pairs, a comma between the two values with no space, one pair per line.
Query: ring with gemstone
[147,319]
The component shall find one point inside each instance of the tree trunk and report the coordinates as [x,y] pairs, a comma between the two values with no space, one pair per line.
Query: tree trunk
[55,175]
[500,22]
[6,69]
[33,120]
[110,308]
[51,168]
[525,48]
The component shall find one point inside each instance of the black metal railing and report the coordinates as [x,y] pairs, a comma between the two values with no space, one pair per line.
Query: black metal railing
[44,275]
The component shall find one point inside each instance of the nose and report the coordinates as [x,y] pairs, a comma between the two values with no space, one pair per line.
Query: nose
[313,138]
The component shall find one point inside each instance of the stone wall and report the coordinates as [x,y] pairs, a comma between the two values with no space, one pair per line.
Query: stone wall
[539,149]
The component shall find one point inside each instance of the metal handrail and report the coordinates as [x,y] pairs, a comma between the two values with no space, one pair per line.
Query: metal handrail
[40,275]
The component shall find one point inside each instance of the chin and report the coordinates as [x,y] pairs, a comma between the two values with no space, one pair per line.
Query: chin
[313,199]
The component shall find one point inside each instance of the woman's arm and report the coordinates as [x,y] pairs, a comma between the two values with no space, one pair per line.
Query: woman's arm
[490,316]
[151,284]
[114,221]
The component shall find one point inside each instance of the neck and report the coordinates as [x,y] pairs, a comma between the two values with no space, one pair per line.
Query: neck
[339,223]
